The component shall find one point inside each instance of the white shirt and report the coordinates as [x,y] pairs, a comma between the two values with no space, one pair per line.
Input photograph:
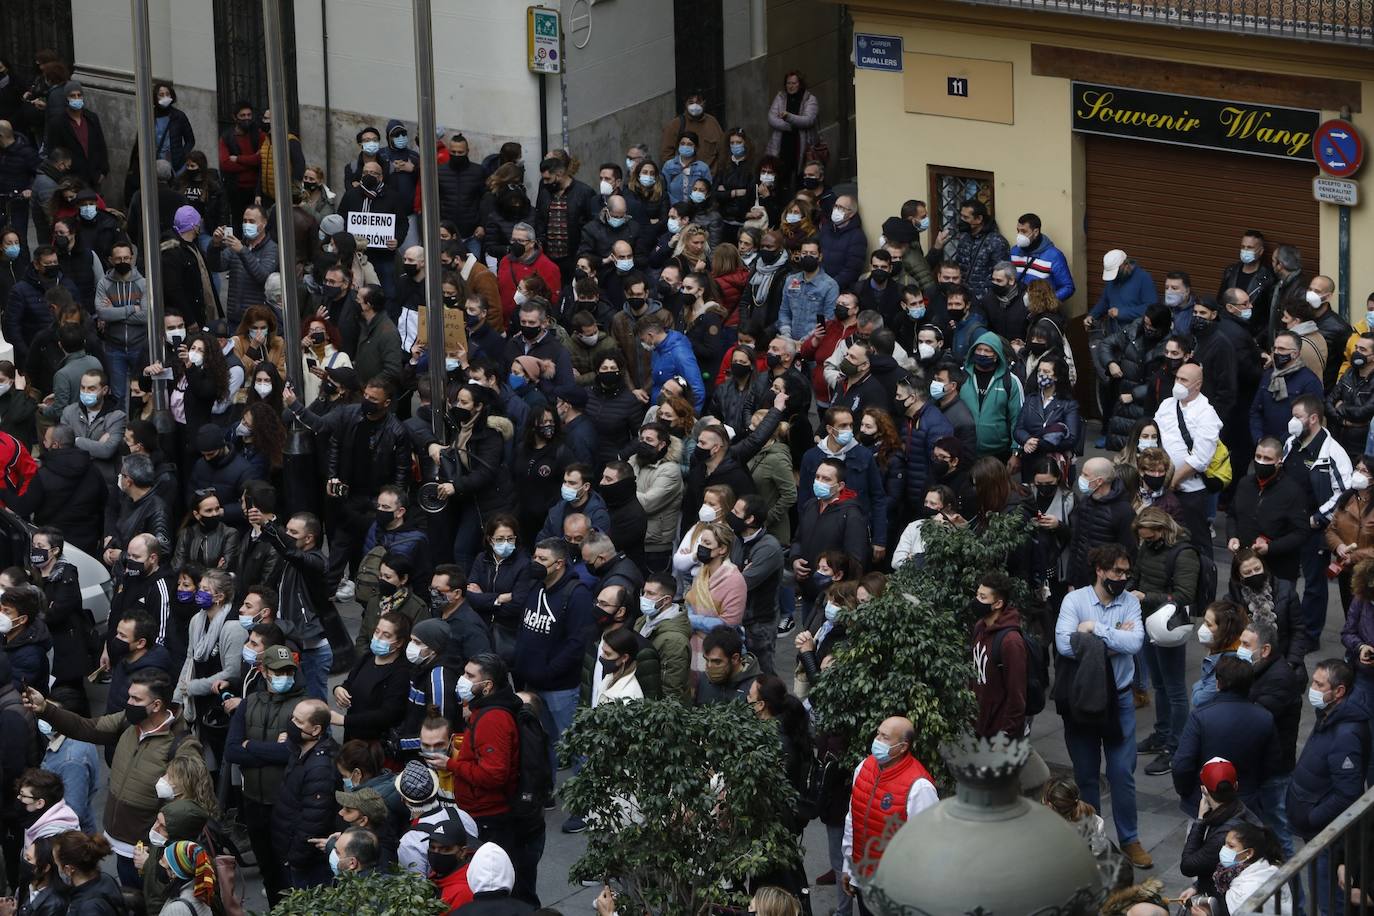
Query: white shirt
[921,797]
[1203,425]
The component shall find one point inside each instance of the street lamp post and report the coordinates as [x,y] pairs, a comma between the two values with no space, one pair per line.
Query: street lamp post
[429,216]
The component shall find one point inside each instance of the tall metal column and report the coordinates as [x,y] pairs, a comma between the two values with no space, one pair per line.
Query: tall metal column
[281,190]
[429,217]
[152,231]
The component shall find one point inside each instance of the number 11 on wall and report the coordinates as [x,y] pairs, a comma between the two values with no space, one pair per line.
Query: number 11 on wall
[956,86]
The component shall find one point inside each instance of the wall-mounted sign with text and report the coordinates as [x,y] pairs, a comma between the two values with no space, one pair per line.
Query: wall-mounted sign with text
[1161,117]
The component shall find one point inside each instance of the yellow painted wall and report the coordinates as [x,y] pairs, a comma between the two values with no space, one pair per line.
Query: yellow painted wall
[1037,161]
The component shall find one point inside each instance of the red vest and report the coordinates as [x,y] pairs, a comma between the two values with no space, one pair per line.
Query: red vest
[877,807]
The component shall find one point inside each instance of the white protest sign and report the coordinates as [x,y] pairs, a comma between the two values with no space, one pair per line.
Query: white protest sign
[377,228]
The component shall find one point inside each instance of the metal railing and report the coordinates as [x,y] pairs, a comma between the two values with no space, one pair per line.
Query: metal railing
[1347,845]
[1336,21]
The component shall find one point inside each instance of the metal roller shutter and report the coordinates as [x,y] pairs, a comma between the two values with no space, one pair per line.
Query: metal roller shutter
[1180,208]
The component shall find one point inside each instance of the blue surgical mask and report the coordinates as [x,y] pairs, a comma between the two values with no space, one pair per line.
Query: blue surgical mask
[647,180]
[792,218]
[615,222]
[924,224]
[736,149]
[674,224]
[246,621]
[45,728]
[881,751]
[629,165]
[380,647]
[89,398]
[516,382]
[400,141]
[820,490]
[1247,256]
[334,861]
[250,230]
[647,607]
[686,151]
[348,784]
[1227,856]
[76,104]
[1083,486]
[12,251]
[1245,654]
[1316,698]
[87,211]
[568,493]
[371,147]
[698,197]
[937,390]
[503,549]
[917,312]
[844,436]
[451,364]
[625,265]
[281,683]
[464,689]
[249,656]
[1245,314]
[832,610]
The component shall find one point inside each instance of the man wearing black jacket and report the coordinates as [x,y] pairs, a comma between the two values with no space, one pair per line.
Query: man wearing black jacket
[135,509]
[1250,274]
[1270,512]
[1218,360]
[304,806]
[1350,405]
[761,562]
[1233,330]
[460,190]
[302,596]
[1278,687]
[559,228]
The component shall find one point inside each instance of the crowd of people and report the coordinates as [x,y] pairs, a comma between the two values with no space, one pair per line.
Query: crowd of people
[694,411]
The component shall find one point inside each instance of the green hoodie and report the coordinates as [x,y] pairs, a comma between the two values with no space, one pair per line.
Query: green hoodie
[186,820]
[996,409]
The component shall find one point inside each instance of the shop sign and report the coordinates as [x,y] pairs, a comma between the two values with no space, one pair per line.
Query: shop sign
[1336,191]
[1162,117]
[878,52]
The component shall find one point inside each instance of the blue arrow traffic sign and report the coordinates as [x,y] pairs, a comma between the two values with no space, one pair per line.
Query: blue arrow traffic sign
[1338,149]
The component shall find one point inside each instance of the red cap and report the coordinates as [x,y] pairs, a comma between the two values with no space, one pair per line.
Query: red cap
[1216,771]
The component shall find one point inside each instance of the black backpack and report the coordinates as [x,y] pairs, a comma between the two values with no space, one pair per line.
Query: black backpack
[1206,576]
[1037,667]
[535,782]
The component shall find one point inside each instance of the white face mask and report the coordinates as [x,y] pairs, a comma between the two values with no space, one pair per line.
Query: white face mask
[1359,481]
[1204,634]
[1313,298]
[605,188]
[164,789]
[196,357]
[413,653]
[1295,426]
[925,350]
[1022,240]
[263,389]
[706,514]
[1180,391]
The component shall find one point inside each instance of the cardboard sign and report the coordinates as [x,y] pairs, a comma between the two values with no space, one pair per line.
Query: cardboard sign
[455,330]
[377,228]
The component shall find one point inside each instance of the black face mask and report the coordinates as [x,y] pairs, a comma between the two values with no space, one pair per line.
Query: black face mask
[808,262]
[1114,587]
[210,522]
[123,269]
[386,589]
[880,275]
[1265,472]
[1173,362]
[939,469]
[371,182]
[385,517]
[293,733]
[810,182]
[648,453]
[1203,326]
[374,411]
[1044,495]
[461,415]
[530,333]
[636,305]
[1153,482]
[547,430]
[517,249]
[980,608]
[736,523]
[741,370]
[770,257]
[841,313]
[443,863]
[1255,583]
[136,715]
[773,360]
[703,554]
[411,270]
[537,571]
[132,568]
[608,381]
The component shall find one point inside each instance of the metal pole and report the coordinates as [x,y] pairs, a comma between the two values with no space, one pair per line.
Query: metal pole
[281,190]
[1343,263]
[543,114]
[148,199]
[429,216]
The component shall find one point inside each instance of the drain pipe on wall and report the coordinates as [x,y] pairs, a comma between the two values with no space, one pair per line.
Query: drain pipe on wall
[328,112]
[758,28]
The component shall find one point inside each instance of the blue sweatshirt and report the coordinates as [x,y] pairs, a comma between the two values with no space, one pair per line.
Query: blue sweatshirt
[1129,295]
[557,629]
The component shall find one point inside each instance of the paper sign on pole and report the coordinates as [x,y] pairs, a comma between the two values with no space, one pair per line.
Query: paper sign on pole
[455,330]
[377,228]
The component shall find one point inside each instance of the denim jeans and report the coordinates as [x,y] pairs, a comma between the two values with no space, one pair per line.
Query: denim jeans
[1327,904]
[129,876]
[1315,558]
[834,841]
[1273,809]
[1086,749]
[1168,668]
[123,361]
[315,665]
[559,708]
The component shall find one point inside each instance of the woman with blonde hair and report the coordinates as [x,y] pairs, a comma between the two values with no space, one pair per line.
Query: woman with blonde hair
[692,249]
[717,501]
[773,901]
[1061,796]
[718,591]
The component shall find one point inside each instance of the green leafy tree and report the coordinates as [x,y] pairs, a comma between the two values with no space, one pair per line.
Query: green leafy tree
[907,653]
[681,802]
[378,893]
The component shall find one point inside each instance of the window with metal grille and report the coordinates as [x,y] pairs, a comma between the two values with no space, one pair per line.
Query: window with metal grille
[949,188]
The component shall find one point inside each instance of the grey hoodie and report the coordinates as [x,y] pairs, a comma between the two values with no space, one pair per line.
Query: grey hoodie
[119,303]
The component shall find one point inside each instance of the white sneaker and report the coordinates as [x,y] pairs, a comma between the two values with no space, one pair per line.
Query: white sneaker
[345,591]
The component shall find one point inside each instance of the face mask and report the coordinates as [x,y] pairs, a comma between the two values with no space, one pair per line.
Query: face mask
[371,147]
[76,104]
[1295,426]
[334,861]
[1044,382]
[250,230]
[844,436]
[881,751]
[1316,698]
[686,152]
[698,197]
[380,647]
[157,839]
[837,215]
[1114,587]
[196,357]
[281,683]
[767,178]
[1084,485]
[792,219]
[413,653]
[263,389]
[246,621]
[517,250]
[832,611]
[737,150]
[703,554]
[1173,298]
[451,364]
[624,265]
[1179,391]
[1245,654]
[809,263]
[12,251]
[464,689]
[674,225]
[6,624]
[695,110]
[176,337]
[87,211]
[811,182]
[547,431]
[1204,634]
[706,515]
[646,180]
[38,557]
[5,388]
[248,655]
[1264,472]
[164,788]
[820,490]
[204,599]
[1313,298]
[1142,444]
[400,141]
[45,728]
[568,493]
[1247,256]
[503,549]
[1359,481]
[1227,856]
[880,275]
[1022,240]
[89,399]
[1245,314]
[1282,359]
[923,225]
[132,568]
[1154,483]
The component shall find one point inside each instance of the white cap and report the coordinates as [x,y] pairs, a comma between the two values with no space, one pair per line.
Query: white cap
[1157,627]
[1111,263]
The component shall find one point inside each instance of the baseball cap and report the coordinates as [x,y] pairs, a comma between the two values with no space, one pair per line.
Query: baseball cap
[449,831]
[1111,263]
[366,802]
[1217,771]
[278,658]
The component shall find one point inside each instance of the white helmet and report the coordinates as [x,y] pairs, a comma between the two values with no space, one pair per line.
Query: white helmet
[1157,626]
